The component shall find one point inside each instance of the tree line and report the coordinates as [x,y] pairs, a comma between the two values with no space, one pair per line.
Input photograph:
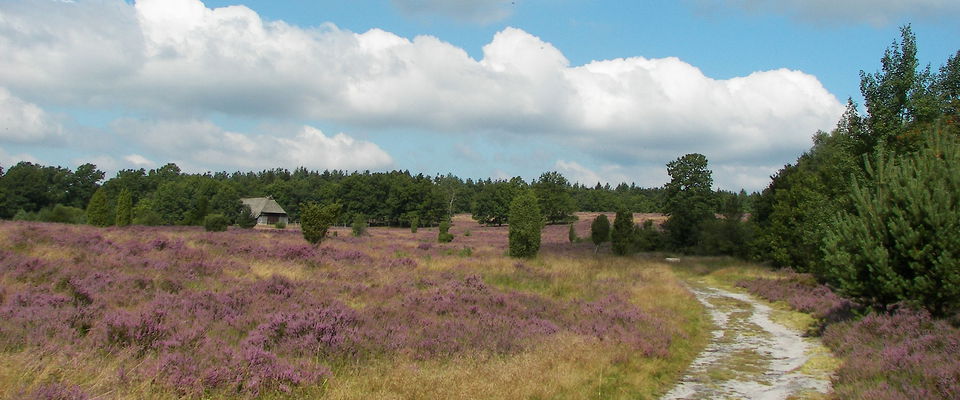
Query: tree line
[167,196]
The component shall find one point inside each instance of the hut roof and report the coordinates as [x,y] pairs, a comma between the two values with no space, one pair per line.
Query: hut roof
[260,205]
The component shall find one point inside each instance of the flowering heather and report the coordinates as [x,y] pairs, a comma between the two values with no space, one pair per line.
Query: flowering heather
[249,312]
[901,355]
[802,293]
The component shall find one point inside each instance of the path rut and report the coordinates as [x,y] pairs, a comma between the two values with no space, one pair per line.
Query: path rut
[749,356]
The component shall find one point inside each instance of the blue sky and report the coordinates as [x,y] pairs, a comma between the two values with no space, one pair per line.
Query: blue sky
[598,90]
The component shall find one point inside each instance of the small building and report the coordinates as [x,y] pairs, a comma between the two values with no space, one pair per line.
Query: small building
[265,210]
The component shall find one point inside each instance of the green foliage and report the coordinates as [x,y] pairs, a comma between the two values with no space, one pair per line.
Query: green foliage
[280,225]
[62,214]
[124,213]
[98,210]
[144,214]
[58,213]
[600,230]
[898,99]
[553,192]
[525,225]
[623,235]
[648,238]
[315,220]
[792,212]
[729,235]
[900,242]
[414,222]
[359,226]
[215,223]
[226,201]
[200,210]
[444,236]
[245,219]
[689,200]
[32,187]
[492,201]
[572,235]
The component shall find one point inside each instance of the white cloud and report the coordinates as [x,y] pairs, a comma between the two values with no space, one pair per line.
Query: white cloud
[178,59]
[478,11]
[876,12]
[9,160]
[203,145]
[138,161]
[24,122]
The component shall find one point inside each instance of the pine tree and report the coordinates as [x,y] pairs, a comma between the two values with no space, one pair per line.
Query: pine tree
[900,243]
[98,211]
[124,208]
[525,225]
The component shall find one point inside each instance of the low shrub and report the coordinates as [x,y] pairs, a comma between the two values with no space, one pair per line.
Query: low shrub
[215,223]
[444,236]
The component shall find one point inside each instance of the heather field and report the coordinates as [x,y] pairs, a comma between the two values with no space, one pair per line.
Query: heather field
[171,312]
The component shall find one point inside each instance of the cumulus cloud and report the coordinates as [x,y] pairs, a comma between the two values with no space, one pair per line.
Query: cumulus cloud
[7,159]
[138,161]
[204,144]
[876,12]
[24,122]
[179,59]
[478,11]
[576,173]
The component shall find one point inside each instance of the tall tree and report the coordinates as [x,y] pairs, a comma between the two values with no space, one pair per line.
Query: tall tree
[689,199]
[556,203]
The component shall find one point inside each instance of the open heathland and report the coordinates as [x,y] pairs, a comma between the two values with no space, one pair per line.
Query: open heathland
[170,312]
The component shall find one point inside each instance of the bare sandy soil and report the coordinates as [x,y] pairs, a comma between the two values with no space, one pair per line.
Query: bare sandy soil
[750,356]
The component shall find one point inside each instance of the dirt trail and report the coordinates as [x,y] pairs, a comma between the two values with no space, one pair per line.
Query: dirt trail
[750,356]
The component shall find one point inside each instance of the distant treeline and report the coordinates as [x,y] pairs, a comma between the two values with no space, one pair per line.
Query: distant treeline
[167,196]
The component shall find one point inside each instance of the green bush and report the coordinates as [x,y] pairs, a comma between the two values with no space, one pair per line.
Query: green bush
[623,235]
[444,236]
[215,223]
[246,220]
[414,223]
[58,213]
[124,208]
[280,225]
[315,220]
[572,235]
[600,230]
[648,238]
[525,225]
[900,244]
[98,211]
[359,226]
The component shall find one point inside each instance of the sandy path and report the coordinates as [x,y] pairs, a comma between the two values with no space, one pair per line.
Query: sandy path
[750,356]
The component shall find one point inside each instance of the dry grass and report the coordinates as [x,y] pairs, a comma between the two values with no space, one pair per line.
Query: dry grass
[561,366]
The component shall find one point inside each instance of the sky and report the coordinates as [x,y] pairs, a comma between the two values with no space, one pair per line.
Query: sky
[600,91]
